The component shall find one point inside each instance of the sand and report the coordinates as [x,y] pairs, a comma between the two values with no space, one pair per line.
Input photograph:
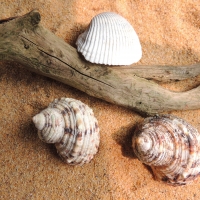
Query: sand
[30,169]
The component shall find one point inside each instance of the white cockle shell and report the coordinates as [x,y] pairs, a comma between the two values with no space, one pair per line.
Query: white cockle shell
[170,146]
[71,125]
[110,39]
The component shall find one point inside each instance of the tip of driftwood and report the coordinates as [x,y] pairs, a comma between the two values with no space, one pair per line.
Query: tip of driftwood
[35,17]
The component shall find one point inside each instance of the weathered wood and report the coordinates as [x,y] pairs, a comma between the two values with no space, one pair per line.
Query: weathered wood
[162,73]
[25,41]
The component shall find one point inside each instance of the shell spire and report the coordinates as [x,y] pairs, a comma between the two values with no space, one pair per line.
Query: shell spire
[110,39]
[170,146]
[71,125]
[39,121]
[50,125]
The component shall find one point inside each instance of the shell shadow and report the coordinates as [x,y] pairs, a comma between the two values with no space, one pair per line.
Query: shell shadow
[28,134]
[124,138]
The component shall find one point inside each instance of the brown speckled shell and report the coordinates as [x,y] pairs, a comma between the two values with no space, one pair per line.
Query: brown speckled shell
[71,125]
[170,146]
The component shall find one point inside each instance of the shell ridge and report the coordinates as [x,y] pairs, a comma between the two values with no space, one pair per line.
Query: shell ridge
[90,134]
[62,147]
[73,132]
[67,147]
[81,40]
[76,152]
[44,132]
[84,156]
[113,40]
[110,39]
[103,23]
[73,121]
[185,157]
[193,144]
[51,125]
[172,168]
[98,45]
[67,130]
[177,159]
[92,40]
[115,45]
[97,41]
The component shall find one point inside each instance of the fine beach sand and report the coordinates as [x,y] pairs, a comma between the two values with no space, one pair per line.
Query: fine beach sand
[30,169]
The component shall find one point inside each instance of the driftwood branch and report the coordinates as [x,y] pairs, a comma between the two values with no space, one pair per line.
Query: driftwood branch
[162,73]
[24,40]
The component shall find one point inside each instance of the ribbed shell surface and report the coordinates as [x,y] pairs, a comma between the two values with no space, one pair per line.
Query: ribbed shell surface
[81,139]
[80,132]
[170,146]
[110,39]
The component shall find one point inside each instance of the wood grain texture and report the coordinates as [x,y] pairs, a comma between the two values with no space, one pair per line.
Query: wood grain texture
[24,40]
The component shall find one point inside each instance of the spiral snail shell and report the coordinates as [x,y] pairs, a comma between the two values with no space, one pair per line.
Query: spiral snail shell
[71,125]
[170,146]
